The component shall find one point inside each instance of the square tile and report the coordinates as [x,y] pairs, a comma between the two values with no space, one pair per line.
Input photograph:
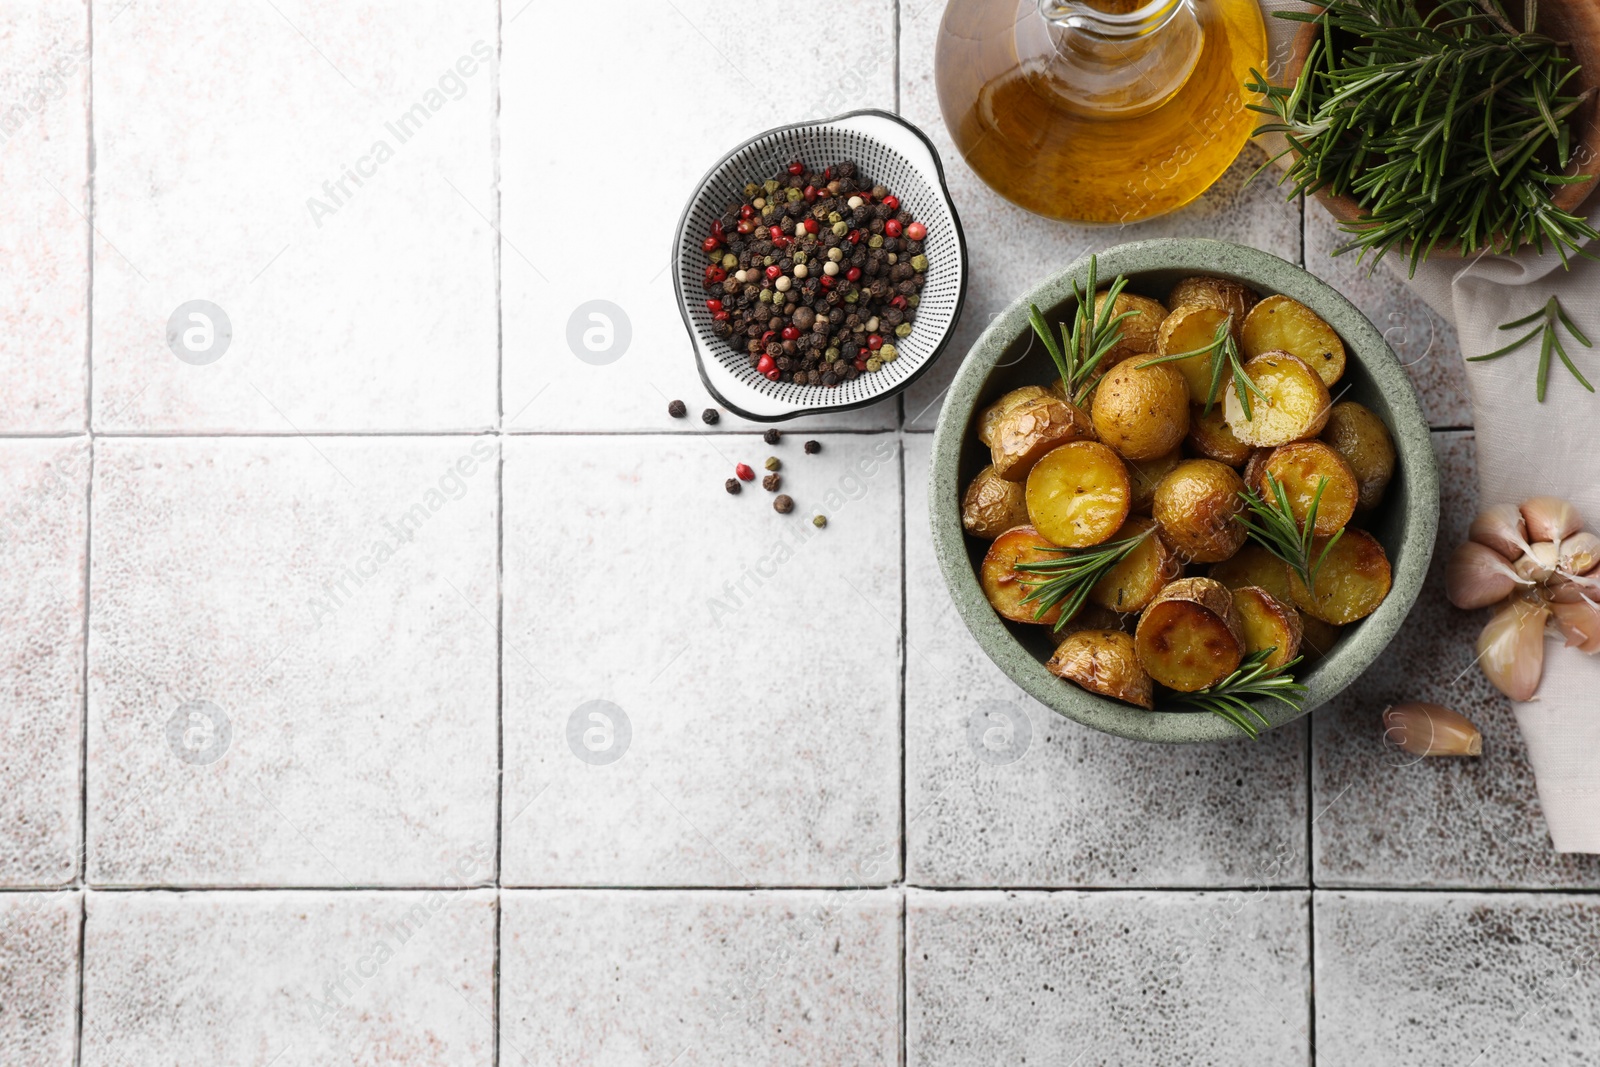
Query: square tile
[39,972]
[1425,344]
[649,98]
[313,978]
[44,205]
[1074,806]
[1094,979]
[1388,818]
[43,537]
[1407,978]
[616,979]
[292,669]
[1011,250]
[699,690]
[323,174]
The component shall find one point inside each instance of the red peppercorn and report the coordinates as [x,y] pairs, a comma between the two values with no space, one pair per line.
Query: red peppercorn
[716,229]
[746,226]
[769,335]
[773,272]
[861,364]
[713,305]
[791,333]
[775,232]
[710,244]
[745,473]
[812,225]
[898,302]
[720,316]
[853,236]
[810,193]
[892,228]
[874,341]
[747,212]
[916,231]
[780,242]
[797,167]
[715,273]
[826,281]
[827,175]
[773,375]
[892,202]
[853,274]
[765,363]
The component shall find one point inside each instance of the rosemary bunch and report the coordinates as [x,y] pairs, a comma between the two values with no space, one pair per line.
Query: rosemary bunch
[1066,582]
[1224,353]
[1275,530]
[1091,336]
[1230,698]
[1446,124]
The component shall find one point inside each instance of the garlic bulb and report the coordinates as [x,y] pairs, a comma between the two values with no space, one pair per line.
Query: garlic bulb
[1501,528]
[1477,576]
[1511,648]
[1539,563]
[1550,518]
[1580,552]
[1425,729]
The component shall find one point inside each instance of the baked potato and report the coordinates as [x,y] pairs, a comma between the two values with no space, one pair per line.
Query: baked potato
[1290,402]
[1092,616]
[1301,468]
[1195,505]
[1254,565]
[1267,622]
[1138,330]
[991,505]
[1317,638]
[1141,410]
[1254,467]
[1190,637]
[1208,291]
[1078,494]
[1104,662]
[1032,428]
[989,421]
[1211,437]
[1141,574]
[1189,329]
[1279,324]
[1363,440]
[1004,586]
[1145,474]
[1352,582]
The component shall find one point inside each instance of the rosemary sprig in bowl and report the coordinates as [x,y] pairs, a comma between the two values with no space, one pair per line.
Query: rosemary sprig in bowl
[1272,525]
[1092,334]
[1253,680]
[1066,581]
[1223,351]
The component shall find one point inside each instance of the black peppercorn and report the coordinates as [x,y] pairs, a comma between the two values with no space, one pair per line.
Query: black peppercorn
[771,437]
[709,416]
[734,486]
[771,482]
[783,505]
[813,447]
[677,409]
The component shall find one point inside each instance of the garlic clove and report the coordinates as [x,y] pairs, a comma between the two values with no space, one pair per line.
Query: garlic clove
[1539,562]
[1501,528]
[1477,576]
[1511,648]
[1579,623]
[1549,518]
[1579,552]
[1425,729]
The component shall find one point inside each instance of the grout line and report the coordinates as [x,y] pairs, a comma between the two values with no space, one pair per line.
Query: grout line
[500,539]
[485,431]
[83,931]
[900,886]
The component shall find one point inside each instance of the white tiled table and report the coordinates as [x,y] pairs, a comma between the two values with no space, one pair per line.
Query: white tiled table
[300,646]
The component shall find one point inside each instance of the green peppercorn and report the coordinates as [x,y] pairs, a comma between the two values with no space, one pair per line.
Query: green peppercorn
[730,261]
[919,262]
[766,296]
[795,194]
[893,259]
[852,296]
[820,521]
[874,365]
[831,355]
[750,188]
[876,241]
[799,257]
[773,463]
[913,301]
[888,353]
[903,330]
[840,229]
[767,211]
[767,261]
[770,185]
[834,216]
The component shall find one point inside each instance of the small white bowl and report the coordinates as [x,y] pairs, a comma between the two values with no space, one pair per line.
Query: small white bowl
[891,152]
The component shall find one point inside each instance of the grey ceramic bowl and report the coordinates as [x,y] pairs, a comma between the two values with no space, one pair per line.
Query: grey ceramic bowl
[1005,357]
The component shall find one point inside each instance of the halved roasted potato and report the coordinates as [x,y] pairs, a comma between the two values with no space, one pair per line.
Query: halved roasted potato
[1363,440]
[1195,505]
[1353,580]
[1094,617]
[1317,638]
[1190,637]
[1208,291]
[1078,494]
[1212,437]
[1189,329]
[1004,586]
[1104,662]
[1136,580]
[1267,622]
[1032,428]
[1301,468]
[1279,324]
[989,421]
[1145,474]
[991,505]
[1291,403]
[1254,565]
[1141,411]
[1253,468]
[1138,330]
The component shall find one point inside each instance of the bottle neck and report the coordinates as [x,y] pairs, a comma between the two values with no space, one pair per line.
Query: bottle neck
[1115,57]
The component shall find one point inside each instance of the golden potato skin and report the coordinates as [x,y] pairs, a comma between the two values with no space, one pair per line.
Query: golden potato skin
[1267,622]
[1141,574]
[1141,411]
[1189,637]
[1279,324]
[1104,662]
[1317,638]
[1094,617]
[1033,428]
[1186,330]
[1195,505]
[1295,406]
[1208,291]
[1363,440]
[1300,468]
[1145,474]
[991,505]
[1138,330]
[1003,586]
[1353,580]
[1211,437]
[989,421]
[1254,565]
[1078,494]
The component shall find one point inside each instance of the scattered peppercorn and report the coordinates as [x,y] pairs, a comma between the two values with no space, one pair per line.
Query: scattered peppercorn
[771,482]
[819,521]
[813,447]
[677,409]
[732,485]
[745,473]
[709,416]
[772,464]
[783,505]
[771,437]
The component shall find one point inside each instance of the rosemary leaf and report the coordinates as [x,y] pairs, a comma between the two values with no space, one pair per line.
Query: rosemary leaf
[1253,680]
[1066,582]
